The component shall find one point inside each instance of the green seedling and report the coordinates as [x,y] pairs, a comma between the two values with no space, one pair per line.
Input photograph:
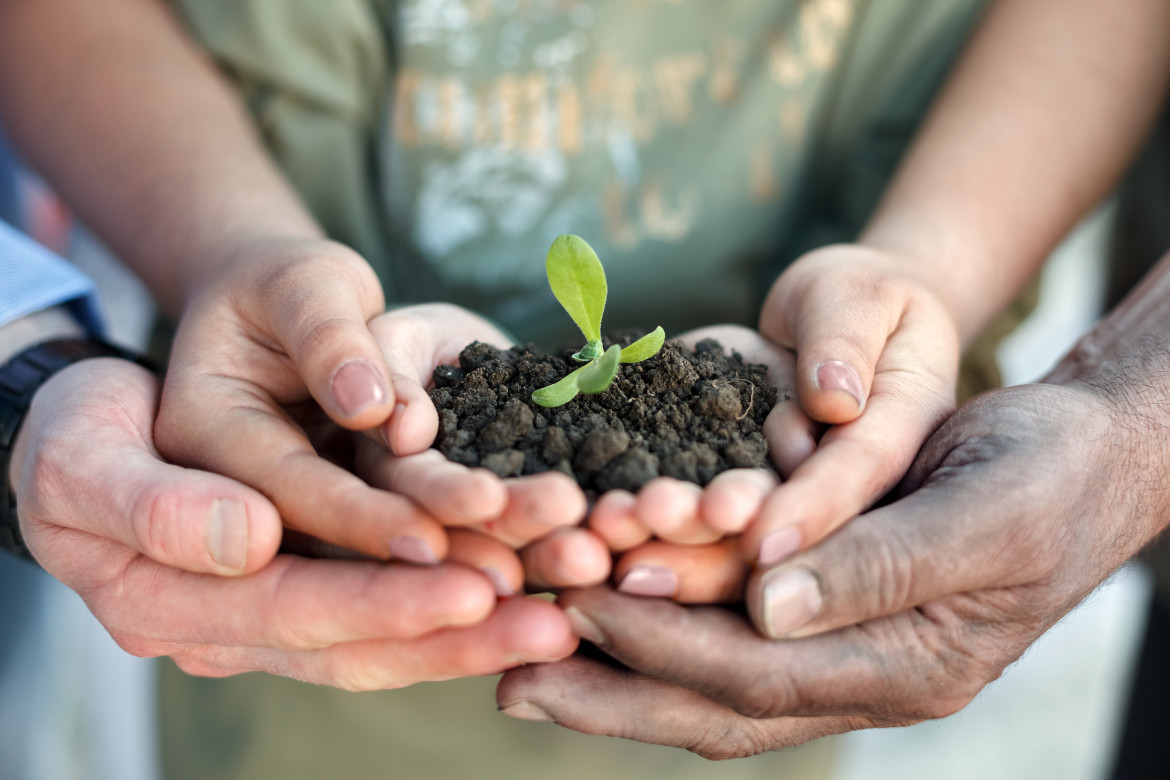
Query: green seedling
[578,282]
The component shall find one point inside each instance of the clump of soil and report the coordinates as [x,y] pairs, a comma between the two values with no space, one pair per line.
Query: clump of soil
[682,413]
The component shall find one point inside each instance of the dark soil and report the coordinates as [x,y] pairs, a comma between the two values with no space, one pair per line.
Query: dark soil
[682,413]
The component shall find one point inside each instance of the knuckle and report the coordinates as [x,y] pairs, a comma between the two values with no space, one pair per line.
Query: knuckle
[137,645]
[767,695]
[195,663]
[285,615]
[47,474]
[359,677]
[885,582]
[326,336]
[956,668]
[153,521]
[730,739]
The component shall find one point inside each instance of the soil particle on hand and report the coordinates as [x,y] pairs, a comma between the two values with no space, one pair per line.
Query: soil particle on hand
[682,413]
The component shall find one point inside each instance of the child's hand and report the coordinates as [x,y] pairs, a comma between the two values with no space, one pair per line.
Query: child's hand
[538,513]
[876,358]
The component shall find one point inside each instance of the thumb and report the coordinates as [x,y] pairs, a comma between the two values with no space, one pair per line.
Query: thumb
[943,539]
[321,322]
[97,472]
[838,337]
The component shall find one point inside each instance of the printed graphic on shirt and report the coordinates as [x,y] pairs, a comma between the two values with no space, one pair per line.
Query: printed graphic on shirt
[663,131]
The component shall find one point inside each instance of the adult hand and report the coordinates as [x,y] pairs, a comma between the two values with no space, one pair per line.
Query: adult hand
[283,324]
[1016,508]
[145,544]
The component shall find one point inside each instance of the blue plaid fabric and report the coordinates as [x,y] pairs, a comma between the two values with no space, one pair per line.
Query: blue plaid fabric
[33,278]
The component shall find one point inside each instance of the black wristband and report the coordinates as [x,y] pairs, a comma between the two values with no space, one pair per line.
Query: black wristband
[20,378]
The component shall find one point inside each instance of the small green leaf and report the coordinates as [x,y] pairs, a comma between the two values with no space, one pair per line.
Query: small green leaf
[645,347]
[590,351]
[578,281]
[598,375]
[560,392]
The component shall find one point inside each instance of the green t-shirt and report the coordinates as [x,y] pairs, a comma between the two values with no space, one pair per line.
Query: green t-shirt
[698,145]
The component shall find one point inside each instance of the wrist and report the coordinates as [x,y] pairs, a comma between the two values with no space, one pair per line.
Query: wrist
[1124,363]
[44,325]
[953,269]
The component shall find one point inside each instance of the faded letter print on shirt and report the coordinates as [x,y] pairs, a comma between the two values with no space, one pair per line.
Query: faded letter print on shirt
[668,133]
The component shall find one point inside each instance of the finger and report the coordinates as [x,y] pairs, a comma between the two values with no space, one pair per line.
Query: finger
[733,499]
[414,340]
[613,519]
[232,422]
[569,557]
[898,557]
[838,335]
[518,631]
[854,465]
[453,493]
[293,603]
[791,435]
[318,312]
[593,698]
[669,508]
[538,505]
[896,670]
[498,562]
[116,487]
[690,574]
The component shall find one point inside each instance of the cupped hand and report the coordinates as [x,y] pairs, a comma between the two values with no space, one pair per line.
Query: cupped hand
[146,543]
[673,536]
[285,325]
[1018,507]
[538,512]
[877,355]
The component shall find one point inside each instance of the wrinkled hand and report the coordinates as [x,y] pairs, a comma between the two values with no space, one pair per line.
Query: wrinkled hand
[142,542]
[1017,508]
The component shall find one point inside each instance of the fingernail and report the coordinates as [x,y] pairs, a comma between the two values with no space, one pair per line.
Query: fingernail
[649,581]
[792,597]
[584,627]
[779,545]
[412,550]
[526,710]
[227,533]
[503,589]
[838,375]
[357,386]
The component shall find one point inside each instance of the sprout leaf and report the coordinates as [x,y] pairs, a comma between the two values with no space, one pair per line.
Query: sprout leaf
[645,347]
[561,392]
[578,281]
[598,375]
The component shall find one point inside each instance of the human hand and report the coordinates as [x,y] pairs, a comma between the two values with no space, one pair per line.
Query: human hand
[1015,509]
[876,356]
[285,325]
[142,542]
[671,533]
[536,514]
